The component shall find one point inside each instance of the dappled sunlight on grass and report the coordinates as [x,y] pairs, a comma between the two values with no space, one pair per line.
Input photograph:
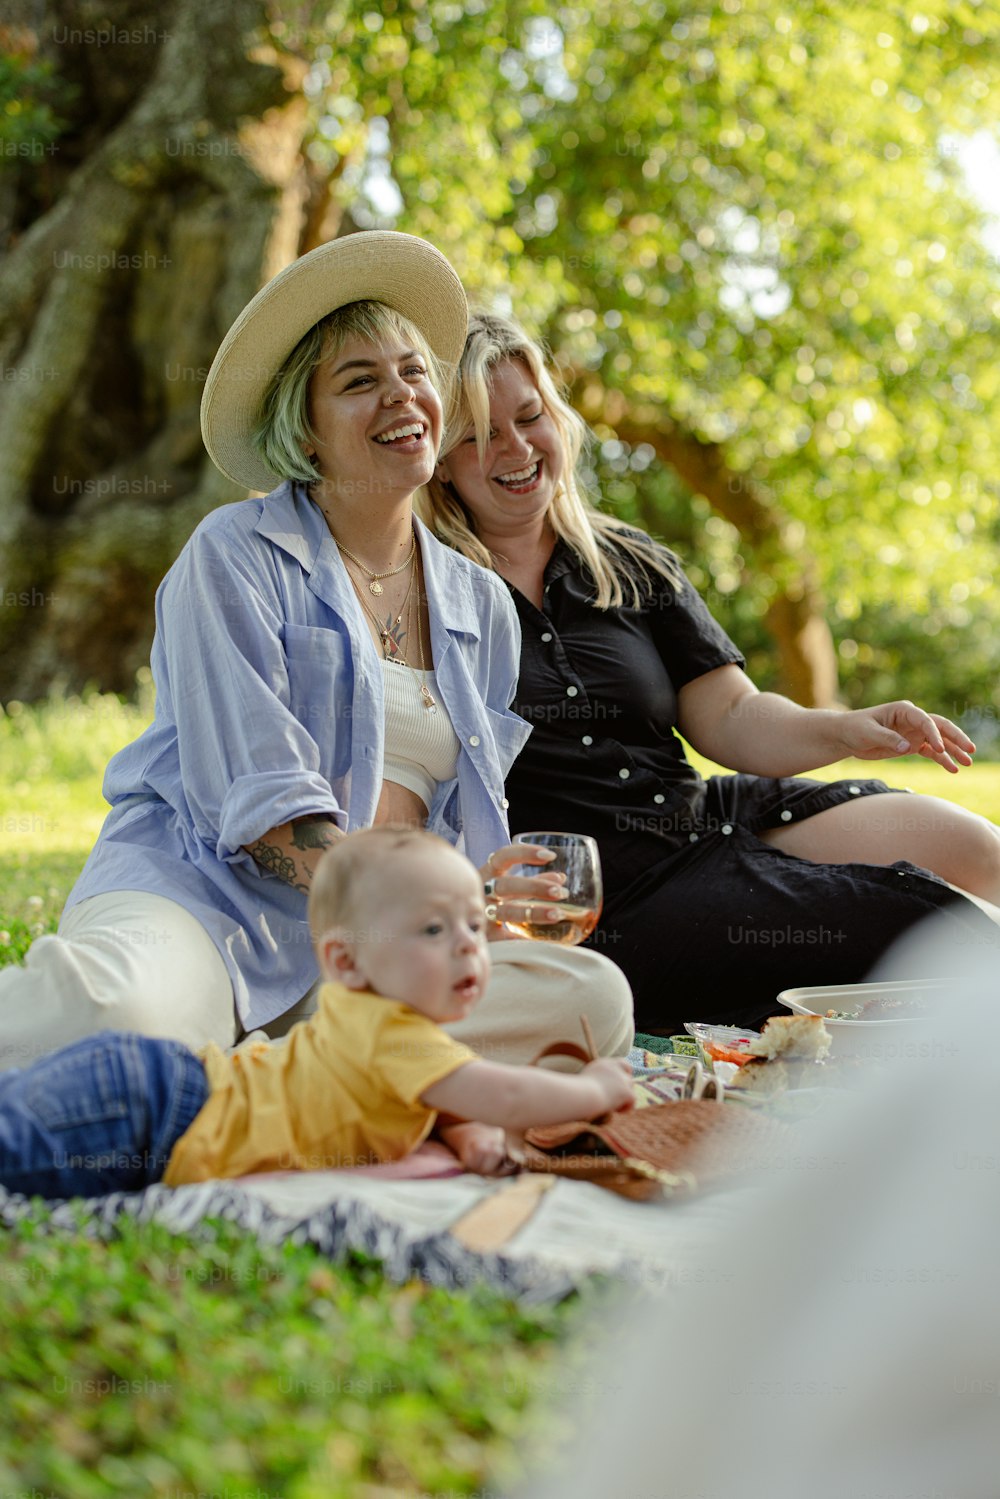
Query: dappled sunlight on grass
[71,739]
[53,756]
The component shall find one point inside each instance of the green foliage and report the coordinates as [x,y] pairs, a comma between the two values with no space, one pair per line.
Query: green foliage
[897,633]
[159,1365]
[750,220]
[31,101]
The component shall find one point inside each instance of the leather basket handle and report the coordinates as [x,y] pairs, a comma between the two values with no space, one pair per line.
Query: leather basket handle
[570,1048]
[561,1049]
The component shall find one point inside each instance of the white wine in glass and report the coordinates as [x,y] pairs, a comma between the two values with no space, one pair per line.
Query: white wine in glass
[578,859]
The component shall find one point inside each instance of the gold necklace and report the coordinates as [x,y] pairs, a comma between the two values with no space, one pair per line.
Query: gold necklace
[430,703]
[392,644]
[374,586]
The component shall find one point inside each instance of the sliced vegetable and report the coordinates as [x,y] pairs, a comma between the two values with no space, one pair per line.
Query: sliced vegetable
[739,1055]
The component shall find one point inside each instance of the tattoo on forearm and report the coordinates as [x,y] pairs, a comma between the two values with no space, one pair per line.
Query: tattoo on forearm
[270,857]
[307,835]
[313,832]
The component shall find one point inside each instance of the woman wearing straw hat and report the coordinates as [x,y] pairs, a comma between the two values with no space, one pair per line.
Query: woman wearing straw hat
[321,664]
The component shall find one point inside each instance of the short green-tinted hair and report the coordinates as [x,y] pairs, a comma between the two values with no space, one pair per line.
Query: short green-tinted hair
[284,427]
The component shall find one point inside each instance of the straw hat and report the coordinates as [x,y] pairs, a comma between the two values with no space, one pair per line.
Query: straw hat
[379,265]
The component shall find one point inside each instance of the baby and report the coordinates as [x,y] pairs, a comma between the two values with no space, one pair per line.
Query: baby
[400,931]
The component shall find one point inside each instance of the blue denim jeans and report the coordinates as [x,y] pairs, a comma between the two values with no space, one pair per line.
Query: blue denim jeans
[99,1116]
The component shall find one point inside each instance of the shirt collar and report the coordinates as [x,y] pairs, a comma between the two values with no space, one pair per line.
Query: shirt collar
[563,560]
[292,521]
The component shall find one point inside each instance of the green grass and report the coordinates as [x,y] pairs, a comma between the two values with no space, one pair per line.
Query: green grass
[53,758]
[160,1365]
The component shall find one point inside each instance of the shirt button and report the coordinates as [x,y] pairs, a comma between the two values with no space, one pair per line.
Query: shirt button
[587,739]
[659,797]
[571,691]
[692,837]
[624,774]
[727,828]
[547,636]
[474,740]
[786,816]
[854,790]
[504,803]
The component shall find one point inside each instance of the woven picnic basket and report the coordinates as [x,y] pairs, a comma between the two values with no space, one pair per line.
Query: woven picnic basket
[662,1148]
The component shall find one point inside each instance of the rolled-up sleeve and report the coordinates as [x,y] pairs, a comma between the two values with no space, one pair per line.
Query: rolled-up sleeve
[247,764]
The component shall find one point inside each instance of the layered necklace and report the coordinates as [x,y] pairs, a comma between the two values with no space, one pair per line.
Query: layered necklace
[374,586]
[391,632]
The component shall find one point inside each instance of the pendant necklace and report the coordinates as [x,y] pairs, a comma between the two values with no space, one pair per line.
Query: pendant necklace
[389,633]
[429,701]
[391,636]
[374,586]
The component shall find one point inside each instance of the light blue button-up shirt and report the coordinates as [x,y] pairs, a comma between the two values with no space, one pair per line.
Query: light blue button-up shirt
[269,706]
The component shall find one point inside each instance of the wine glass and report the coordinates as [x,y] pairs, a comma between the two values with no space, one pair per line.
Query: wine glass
[577,857]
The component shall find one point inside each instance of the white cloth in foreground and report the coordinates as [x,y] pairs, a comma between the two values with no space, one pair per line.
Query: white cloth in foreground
[844,1342]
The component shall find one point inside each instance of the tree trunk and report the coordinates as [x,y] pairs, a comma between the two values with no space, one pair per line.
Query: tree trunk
[175,191]
[796,615]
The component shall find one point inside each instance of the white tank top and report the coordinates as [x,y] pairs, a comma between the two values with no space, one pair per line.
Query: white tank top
[421,748]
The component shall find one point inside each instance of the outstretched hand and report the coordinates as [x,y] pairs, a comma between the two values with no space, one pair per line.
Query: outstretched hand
[613,1077]
[481,1148]
[902,728]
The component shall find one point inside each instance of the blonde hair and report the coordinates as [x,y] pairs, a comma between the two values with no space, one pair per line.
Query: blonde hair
[338,886]
[618,559]
[284,426]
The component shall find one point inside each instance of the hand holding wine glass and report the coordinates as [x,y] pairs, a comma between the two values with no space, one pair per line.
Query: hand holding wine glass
[578,861]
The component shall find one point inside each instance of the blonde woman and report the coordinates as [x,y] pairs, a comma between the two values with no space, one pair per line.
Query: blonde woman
[322,664]
[718,893]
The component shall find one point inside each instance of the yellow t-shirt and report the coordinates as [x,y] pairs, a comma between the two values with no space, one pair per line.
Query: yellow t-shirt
[342,1090]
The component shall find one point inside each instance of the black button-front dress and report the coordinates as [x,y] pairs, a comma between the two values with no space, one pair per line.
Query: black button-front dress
[708,921]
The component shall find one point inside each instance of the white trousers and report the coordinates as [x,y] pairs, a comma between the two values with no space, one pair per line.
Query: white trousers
[125,961]
[137,962]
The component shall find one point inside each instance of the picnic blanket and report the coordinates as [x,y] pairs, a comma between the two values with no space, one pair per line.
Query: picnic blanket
[426,1227]
[531,1238]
